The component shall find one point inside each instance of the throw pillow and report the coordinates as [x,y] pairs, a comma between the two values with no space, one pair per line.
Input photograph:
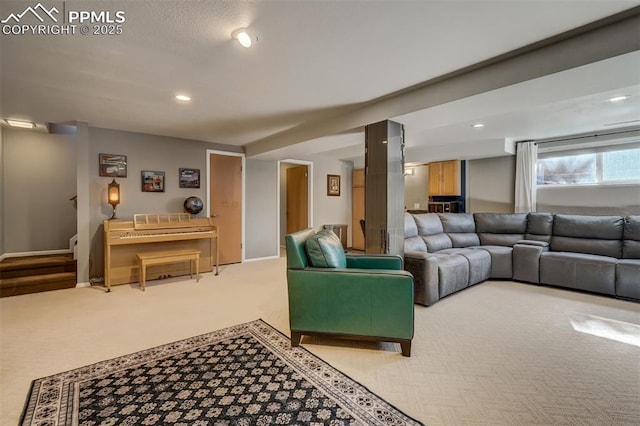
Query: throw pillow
[324,250]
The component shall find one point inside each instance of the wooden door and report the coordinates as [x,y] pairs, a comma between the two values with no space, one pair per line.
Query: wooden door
[225,195]
[297,198]
[357,210]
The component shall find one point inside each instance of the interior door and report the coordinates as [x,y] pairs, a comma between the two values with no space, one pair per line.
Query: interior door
[297,198]
[225,195]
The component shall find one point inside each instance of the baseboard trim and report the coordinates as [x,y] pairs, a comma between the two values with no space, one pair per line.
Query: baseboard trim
[80,285]
[257,259]
[36,253]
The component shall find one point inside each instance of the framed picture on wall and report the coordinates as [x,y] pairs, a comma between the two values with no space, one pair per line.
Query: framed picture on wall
[333,185]
[113,165]
[152,181]
[189,178]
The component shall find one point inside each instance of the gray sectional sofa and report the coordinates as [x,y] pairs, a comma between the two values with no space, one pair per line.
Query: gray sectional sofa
[447,252]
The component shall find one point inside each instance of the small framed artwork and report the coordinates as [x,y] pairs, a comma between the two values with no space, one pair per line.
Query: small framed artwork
[189,178]
[112,165]
[333,185]
[152,181]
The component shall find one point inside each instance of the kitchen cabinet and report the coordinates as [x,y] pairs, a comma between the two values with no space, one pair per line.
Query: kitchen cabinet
[445,178]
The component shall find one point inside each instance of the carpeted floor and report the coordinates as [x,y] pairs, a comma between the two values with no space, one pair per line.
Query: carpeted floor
[499,353]
[247,374]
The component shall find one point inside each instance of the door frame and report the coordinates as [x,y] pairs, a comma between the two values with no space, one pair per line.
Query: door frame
[309,164]
[208,190]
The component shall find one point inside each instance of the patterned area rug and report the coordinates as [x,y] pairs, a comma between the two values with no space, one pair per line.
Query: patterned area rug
[247,374]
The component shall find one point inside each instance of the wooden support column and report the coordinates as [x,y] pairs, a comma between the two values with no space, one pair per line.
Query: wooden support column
[384,188]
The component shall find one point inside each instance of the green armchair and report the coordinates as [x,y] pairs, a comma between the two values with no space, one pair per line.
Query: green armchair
[366,297]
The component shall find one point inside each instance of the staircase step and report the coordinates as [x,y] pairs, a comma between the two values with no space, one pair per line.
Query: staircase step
[36,283]
[36,265]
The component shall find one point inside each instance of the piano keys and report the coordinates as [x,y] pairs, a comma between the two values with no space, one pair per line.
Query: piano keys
[150,232]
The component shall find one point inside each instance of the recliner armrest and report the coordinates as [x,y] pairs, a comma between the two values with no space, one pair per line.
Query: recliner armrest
[362,271]
[533,243]
[374,261]
[424,268]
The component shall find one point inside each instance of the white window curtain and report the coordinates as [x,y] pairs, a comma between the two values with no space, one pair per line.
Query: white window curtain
[526,158]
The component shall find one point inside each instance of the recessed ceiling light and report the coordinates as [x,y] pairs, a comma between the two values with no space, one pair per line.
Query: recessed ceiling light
[477,125]
[183,98]
[20,123]
[618,98]
[242,36]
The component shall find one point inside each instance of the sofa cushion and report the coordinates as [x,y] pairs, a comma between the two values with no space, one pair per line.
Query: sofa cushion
[628,278]
[599,235]
[539,226]
[460,228]
[479,263]
[415,244]
[631,244]
[457,222]
[428,224]
[325,250]
[578,270]
[500,229]
[437,242]
[453,273]
[410,227]
[501,261]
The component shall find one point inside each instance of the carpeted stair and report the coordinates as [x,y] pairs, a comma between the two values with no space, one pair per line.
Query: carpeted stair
[32,274]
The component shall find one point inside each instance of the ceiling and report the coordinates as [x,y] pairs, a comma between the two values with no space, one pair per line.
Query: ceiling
[313,61]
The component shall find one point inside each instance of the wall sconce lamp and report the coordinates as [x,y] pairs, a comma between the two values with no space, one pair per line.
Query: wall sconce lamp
[114,197]
[409,171]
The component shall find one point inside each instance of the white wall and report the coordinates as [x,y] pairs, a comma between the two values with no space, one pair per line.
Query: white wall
[416,188]
[39,178]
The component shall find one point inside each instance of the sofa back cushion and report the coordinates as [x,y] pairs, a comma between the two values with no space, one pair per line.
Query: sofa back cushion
[599,235]
[500,229]
[325,250]
[460,228]
[412,241]
[631,244]
[431,231]
[539,226]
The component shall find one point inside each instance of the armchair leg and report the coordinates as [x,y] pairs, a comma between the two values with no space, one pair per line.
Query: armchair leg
[406,348]
[295,338]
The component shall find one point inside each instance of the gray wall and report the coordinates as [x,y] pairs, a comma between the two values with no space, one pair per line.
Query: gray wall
[491,185]
[261,221]
[144,152]
[416,188]
[39,180]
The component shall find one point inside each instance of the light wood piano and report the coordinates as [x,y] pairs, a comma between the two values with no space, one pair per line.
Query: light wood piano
[150,232]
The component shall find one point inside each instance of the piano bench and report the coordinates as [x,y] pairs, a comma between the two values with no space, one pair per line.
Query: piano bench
[168,256]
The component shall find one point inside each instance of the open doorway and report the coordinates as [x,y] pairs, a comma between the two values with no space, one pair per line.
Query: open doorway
[295,195]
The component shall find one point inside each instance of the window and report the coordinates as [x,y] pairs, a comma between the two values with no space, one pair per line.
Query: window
[608,165]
